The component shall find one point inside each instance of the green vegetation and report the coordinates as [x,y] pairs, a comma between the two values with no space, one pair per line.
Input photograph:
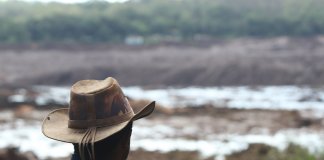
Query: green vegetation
[265,152]
[293,152]
[98,21]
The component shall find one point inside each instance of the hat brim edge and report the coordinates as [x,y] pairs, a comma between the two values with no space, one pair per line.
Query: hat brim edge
[145,111]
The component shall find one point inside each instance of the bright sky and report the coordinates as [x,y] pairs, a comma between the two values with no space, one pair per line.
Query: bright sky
[66,1]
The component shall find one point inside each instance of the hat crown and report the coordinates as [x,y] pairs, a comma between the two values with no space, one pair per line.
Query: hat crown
[98,103]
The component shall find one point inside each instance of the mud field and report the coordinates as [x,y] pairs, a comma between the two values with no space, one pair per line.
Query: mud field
[203,132]
[226,99]
[275,61]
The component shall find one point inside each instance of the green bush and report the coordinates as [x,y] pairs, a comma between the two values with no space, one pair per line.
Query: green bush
[265,152]
[292,152]
[99,21]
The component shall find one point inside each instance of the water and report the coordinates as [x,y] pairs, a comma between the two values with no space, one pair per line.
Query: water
[152,134]
[263,97]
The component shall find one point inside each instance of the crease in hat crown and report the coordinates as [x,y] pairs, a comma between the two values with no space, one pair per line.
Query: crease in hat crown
[92,86]
[97,104]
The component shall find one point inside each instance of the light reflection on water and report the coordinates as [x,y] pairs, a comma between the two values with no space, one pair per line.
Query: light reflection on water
[27,135]
[151,136]
[264,97]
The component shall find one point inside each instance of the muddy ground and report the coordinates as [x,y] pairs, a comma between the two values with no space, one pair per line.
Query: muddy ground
[275,61]
[245,61]
[208,120]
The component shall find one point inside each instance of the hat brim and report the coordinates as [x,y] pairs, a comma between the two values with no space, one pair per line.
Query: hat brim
[55,125]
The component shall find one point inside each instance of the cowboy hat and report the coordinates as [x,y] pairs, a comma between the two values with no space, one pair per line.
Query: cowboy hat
[94,104]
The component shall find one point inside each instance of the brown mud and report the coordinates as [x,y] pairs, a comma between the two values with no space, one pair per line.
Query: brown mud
[216,120]
[245,61]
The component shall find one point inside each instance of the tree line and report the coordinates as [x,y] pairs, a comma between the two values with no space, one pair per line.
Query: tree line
[101,22]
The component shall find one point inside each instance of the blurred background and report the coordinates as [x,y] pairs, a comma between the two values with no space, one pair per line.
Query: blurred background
[233,79]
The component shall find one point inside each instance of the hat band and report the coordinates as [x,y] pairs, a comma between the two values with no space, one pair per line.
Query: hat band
[84,124]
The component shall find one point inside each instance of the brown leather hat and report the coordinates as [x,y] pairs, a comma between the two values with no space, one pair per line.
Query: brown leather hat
[94,105]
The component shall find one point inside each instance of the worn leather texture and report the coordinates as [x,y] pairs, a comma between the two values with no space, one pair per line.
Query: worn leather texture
[104,108]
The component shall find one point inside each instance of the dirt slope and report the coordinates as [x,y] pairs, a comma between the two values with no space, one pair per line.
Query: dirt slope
[276,61]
